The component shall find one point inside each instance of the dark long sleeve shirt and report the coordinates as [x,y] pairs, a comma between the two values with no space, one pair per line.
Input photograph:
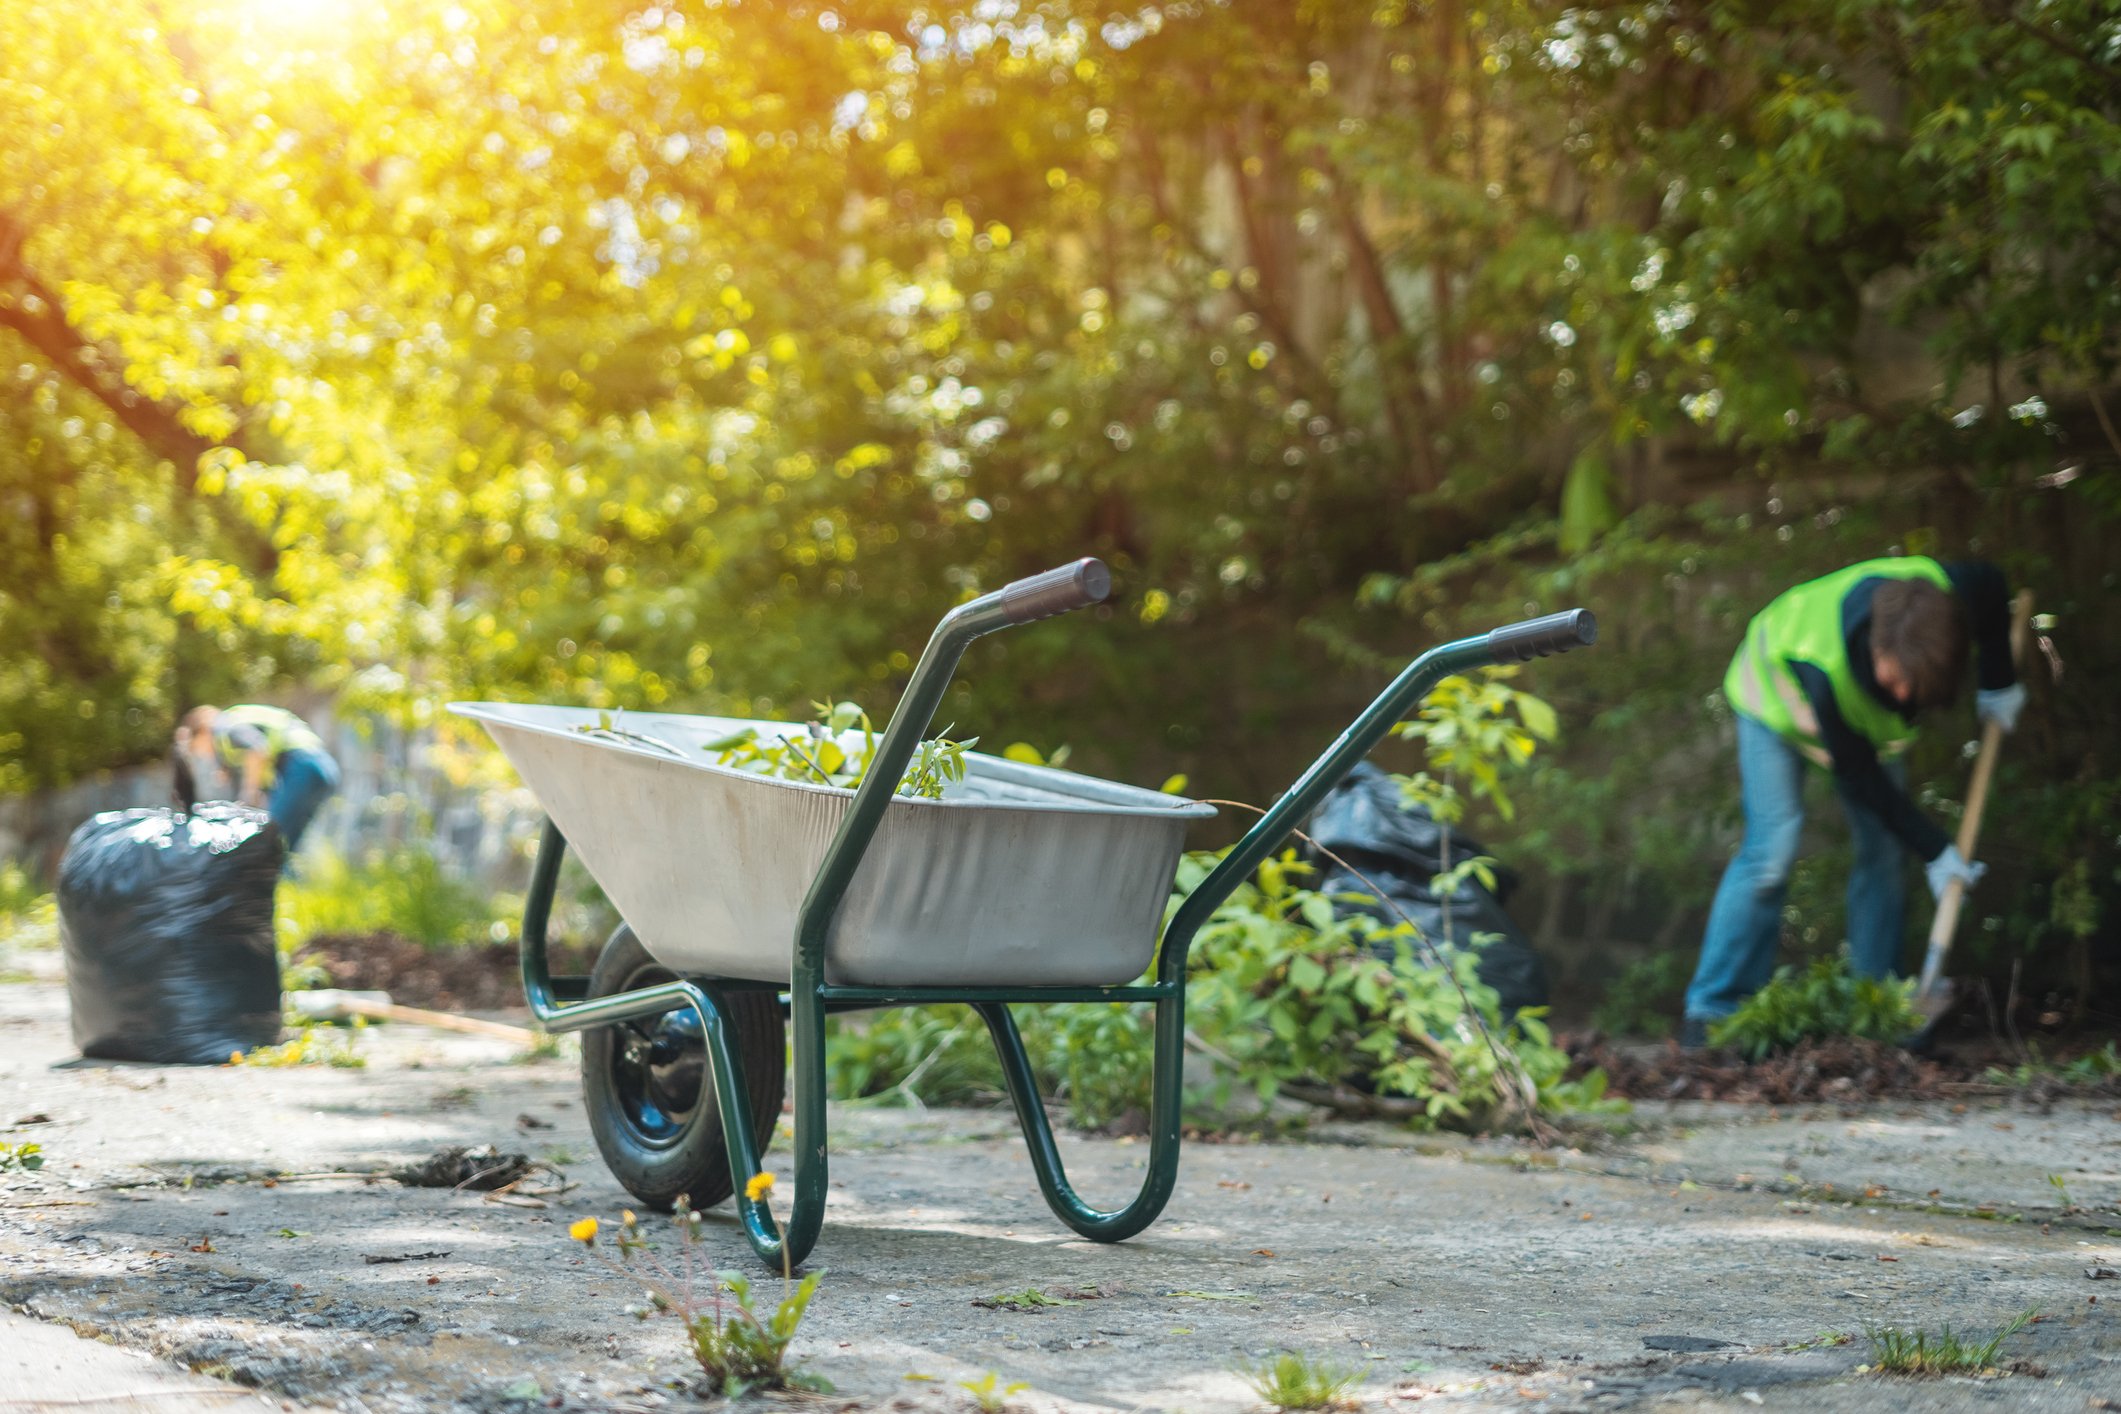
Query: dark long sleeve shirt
[1985,599]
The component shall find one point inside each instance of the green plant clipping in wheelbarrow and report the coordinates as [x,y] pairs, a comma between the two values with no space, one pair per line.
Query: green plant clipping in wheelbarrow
[823,754]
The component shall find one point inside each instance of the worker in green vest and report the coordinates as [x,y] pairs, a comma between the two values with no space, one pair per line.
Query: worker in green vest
[271,754]
[1834,674]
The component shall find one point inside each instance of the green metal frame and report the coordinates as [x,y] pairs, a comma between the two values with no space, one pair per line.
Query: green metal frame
[561,1004]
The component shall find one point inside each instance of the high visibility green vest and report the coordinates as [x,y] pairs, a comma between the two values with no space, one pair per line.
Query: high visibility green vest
[283,731]
[1805,625]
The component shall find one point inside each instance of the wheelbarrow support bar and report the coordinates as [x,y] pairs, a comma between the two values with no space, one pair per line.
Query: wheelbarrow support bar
[1556,633]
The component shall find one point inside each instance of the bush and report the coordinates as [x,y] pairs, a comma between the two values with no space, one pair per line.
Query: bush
[1823,1000]
[405,891]
[29,916]
[1094,1057]
[1284,992]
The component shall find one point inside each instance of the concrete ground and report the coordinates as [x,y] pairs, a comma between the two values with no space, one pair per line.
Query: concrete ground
[1708,1258]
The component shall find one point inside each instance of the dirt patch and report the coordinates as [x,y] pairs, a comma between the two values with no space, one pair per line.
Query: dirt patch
[1839,1069]
[1832,1071]
[474,977]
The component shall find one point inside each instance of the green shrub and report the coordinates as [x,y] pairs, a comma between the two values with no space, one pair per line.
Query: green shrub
[29,916]
[1825,999]
[1094,1057]
[1282,991]
[405,891]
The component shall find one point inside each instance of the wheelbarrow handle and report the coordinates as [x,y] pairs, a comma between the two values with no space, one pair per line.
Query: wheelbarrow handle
[1057,591]
[1536,638]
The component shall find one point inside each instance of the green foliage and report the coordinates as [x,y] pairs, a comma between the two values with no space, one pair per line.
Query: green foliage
[406,891]
[29,916]
[1293,1380]
[1093,1057]
[1282,991]
[1642,1000]
[2091,1068]
[1029,1299]
[738,1349]
[392,357]
[827,754]
[1474,730]
[1900,1352]
[989,1395]
[314,1043]
[1824,999]
[23,1158]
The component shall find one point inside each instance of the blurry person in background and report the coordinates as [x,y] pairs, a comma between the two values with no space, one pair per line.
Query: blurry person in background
[271,755]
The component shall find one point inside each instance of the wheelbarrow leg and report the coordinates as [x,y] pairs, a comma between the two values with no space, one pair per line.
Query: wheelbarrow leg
[808,1209]
[1118,1224]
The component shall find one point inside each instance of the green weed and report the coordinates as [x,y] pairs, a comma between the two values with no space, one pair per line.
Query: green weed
[989,1395]
[1293,1380]
[2088,1069]
[1026,1300]
[319,1044]
[1898,1352]
[1825,999]
[22,1158]
[738,1349]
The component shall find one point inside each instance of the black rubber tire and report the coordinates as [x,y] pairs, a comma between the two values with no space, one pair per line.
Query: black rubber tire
[646,1085]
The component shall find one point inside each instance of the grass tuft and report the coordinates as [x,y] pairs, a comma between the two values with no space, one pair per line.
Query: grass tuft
[1293,1380]
[1898,1352]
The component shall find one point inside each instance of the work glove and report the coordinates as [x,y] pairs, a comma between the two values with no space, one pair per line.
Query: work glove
[2001,705]
[1952,865]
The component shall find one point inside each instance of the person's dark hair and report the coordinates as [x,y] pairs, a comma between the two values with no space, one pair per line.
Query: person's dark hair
[1922,626]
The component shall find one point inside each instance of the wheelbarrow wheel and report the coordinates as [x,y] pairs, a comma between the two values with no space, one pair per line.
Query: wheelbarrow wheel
[650,1094]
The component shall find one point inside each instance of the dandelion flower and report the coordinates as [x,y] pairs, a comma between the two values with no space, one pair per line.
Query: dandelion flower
[760,1185]
[626,1217]
[584,1232]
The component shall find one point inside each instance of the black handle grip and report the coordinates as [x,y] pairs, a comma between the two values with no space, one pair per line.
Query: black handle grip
[1075,586]
[1535,638]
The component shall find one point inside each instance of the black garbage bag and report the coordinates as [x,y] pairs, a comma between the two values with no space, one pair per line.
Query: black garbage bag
[1400,849]
[167,922]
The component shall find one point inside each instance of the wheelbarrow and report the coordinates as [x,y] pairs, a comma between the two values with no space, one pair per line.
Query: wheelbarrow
[752,902]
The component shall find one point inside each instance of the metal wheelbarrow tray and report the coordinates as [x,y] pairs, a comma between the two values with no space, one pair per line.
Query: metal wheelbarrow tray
[754,904]
[1020,875]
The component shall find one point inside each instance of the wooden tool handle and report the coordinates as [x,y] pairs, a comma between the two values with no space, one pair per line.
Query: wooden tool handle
[1947,919]
[390,1011]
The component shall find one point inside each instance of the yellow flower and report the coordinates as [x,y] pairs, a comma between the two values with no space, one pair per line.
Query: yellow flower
[761,1184]
[584,1232]
[626,1217]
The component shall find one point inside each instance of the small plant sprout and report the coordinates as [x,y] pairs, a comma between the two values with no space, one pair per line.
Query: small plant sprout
[1898,1352]
[2062,1187]
[25,1158]
[1294,1380]
[738,1349]
[989,1394]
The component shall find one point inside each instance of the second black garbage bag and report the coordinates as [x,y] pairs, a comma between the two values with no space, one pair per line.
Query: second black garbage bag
[1400,848]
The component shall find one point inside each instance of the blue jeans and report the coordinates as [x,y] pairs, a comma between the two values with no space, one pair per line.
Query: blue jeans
[1745,923]
[302,781]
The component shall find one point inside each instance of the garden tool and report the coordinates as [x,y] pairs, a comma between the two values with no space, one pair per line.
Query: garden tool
[331,1004]
[1933,995]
